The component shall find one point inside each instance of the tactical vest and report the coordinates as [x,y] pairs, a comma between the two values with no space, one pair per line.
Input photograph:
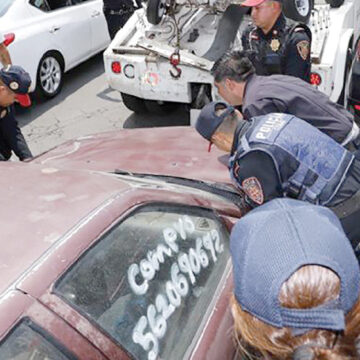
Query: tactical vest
[320,164]
[266,60]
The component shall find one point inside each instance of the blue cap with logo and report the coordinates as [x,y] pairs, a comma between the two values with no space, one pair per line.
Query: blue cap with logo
[208,121]
[272,242]
[18,81]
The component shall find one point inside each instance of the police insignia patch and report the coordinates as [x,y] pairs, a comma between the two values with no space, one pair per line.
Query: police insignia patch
[253,190]
[13,85]
[303,48]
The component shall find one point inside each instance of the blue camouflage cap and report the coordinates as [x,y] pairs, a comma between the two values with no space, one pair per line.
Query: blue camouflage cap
[276,239]
[208,121]
[17,80]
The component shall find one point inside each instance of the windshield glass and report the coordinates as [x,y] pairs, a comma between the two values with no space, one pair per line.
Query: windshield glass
[150,281]
[4,6]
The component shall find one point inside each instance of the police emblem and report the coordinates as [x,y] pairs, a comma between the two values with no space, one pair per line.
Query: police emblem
[275,45]
[303,48]
[13,85]
[253,190]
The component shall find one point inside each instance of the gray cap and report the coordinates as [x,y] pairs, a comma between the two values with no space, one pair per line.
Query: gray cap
[208,121]
[276,239]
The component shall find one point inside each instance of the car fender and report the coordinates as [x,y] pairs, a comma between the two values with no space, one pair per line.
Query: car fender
[340,64]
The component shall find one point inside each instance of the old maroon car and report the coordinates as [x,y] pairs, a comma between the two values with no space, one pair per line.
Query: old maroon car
[116,246]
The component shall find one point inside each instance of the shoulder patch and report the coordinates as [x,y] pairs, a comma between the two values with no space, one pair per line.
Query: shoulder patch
[303,48]
[253,190]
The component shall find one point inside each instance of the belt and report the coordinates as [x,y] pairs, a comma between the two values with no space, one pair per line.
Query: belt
[122,11]
[348,206]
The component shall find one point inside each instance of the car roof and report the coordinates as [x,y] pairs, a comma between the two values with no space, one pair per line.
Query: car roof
[44,199]
[172,151]
[39,205]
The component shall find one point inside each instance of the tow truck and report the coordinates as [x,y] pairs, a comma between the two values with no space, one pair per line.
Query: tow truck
[162,57]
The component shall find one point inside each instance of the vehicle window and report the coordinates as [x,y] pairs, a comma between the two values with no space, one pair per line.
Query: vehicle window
[57,4]
[4,6]
[28,341]
[149,281]
[40,4]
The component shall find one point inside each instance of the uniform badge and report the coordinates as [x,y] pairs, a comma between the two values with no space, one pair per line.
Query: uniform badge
[303,48]
[13,85]
[253,190]
[275,45]
[3,113]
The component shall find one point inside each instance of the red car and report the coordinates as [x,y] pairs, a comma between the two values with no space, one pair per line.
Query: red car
[116,246]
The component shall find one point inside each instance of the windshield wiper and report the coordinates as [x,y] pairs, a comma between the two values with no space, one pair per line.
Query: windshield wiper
[219,189]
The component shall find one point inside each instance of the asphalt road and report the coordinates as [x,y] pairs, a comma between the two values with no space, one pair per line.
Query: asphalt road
[86,105]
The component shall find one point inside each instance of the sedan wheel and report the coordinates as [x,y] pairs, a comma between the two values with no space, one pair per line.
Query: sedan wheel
[50,76]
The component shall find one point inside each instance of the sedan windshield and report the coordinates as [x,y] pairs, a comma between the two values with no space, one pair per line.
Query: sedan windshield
[149,282]
[4,6]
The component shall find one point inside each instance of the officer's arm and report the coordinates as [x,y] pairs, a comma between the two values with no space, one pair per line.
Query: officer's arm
[298,55]
[264,106]
[258,178]
[4,55]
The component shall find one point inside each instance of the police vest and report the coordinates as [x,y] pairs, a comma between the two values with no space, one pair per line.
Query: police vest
[268,61]
[320,164]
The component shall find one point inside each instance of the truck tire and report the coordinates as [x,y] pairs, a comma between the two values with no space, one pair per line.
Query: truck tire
[298,10]
[158,108]
[134,103]
[335,3]
[155,11]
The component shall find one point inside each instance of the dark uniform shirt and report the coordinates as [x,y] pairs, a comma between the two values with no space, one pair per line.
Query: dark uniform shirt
[284,49]
[287,94]
[118,4]
[259,165]
[11,137]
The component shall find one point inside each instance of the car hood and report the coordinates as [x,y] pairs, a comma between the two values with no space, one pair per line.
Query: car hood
[170,151]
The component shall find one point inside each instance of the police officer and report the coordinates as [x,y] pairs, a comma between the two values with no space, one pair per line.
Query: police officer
[14,86]
[237,83]
[279,155]
[275,46]
[117,13]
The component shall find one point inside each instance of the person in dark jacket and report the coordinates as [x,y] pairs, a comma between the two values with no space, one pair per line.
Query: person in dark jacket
[237,83]
[14,86]
[275,47]
[279,155]
[117,13]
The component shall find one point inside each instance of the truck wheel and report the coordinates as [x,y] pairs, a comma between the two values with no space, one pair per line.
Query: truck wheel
[134,103]
[155,11]
[335,3]
[298,10]
[157,108]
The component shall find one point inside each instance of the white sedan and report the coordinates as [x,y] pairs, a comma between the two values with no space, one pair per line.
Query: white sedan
[49,37]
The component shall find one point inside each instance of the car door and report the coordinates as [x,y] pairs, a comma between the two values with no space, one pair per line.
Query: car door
[69,28]
[99,32]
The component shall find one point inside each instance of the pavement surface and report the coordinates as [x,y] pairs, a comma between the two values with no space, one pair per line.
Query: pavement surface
[86,105]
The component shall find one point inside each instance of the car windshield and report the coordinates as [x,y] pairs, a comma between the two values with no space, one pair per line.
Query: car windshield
[4,6]
[150,281]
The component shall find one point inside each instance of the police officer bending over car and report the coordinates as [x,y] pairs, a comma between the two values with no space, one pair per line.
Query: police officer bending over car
[117,13]
[275,46]
[280,155]
[237,83]
[14,86]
